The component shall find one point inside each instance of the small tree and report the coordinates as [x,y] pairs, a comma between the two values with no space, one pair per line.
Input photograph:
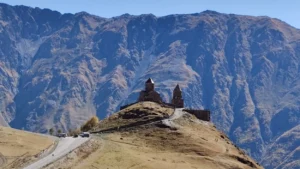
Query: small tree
[70,132]
[74,132]
[59,131]
[93,122]
[51,131]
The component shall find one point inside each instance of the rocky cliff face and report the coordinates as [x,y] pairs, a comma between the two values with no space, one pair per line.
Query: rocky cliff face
[57,70]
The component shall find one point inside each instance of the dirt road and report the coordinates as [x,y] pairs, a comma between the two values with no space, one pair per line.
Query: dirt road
[64,146]
[177,114]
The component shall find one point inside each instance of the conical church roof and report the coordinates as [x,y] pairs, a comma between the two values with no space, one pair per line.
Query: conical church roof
[177,88]
[150,81]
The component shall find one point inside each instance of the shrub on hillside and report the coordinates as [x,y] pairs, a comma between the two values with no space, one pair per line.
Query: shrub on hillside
[51,131]
[74,132]
[93,122]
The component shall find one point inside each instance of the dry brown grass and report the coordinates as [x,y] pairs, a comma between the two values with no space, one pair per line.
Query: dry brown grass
[194,144]
[143,111]
[19,147]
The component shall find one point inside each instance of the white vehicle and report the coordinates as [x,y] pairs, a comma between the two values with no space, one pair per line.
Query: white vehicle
[85,134]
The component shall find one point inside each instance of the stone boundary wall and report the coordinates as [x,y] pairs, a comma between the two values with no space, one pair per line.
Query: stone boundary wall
[127,105]
[132,125]
[169,105]
[200,114]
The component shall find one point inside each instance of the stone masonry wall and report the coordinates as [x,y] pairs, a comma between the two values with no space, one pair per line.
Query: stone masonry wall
[200,114]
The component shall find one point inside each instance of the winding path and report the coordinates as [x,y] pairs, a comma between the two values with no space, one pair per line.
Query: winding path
[177,114]
[64,146]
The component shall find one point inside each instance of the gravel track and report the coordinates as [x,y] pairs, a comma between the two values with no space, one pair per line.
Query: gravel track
[65,145]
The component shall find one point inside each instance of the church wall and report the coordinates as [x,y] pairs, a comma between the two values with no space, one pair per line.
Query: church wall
[200,114]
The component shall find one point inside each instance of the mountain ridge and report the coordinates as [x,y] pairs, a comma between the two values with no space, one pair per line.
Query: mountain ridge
[57,70]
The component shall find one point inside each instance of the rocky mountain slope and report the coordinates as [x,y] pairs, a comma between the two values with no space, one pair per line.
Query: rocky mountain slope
[178,141]
[57,70]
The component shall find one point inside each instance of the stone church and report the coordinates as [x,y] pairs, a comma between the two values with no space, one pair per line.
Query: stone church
[149,94]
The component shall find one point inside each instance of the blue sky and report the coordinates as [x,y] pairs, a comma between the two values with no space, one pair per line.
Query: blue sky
[286,10]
